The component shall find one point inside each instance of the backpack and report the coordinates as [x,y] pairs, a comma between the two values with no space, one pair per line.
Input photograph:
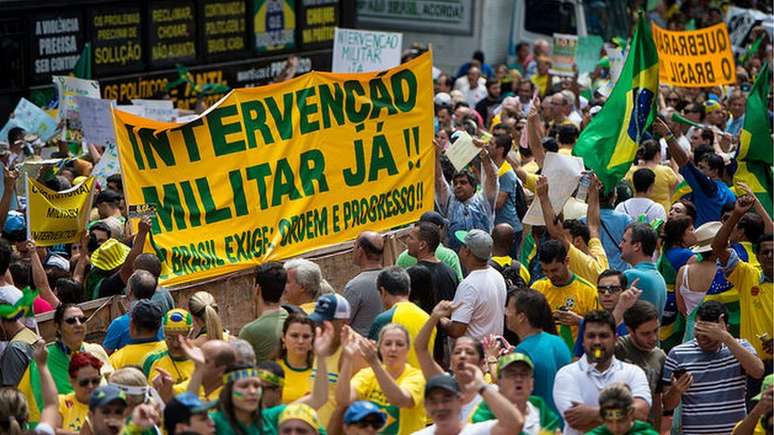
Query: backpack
[510,273]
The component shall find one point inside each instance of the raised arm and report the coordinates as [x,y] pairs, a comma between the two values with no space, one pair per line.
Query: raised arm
[79,273]
[509,419]
[441,187]
[345,393]
[720,242]
[768,225]
[139,242]
[322,349]
[9,184]
[490,184]
[50,412]
[39,278]
[394,393]
[427,364]
[592,212]
[535,132]
[675,150]
[554,229]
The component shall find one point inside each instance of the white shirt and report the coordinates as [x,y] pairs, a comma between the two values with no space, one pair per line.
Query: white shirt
[482,297]
[635,207]
[483,428]
[531,420]
[581,382]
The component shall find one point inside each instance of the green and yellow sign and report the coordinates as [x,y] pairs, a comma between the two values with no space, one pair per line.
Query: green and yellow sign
[272,172]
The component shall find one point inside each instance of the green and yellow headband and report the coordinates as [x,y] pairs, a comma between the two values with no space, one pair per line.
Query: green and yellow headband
[21,308]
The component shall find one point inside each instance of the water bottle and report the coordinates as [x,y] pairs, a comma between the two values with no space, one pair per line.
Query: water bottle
[583,187]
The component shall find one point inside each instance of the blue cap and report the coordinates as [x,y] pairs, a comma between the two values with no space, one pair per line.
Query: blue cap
[182,407]
[14,222]
[361,409]
[330,307]
[104,395]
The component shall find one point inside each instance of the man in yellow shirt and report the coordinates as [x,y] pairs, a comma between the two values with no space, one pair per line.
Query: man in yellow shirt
[143,327]
[569,295]
[394,285]
[756,294]
[586,254]
[173,360]
[216,356]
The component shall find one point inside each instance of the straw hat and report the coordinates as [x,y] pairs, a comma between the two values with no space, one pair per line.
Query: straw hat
[110,255]
[705,234]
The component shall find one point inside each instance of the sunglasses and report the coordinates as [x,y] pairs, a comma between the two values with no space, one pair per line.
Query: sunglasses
[376,425]
[609,290]
[73,320]
[93,381]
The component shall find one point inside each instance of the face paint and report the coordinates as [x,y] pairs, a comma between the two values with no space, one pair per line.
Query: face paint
[237,395]
[614,414]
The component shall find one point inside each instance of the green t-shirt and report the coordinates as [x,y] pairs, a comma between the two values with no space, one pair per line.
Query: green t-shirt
[270,424]
[264,334]
[445,255]
[638,428]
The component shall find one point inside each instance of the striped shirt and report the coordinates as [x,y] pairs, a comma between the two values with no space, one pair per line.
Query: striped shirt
[715,402]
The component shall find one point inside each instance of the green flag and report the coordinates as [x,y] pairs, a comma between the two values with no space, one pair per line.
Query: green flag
[609,143]
[753,49]
[755,154]
[82,69]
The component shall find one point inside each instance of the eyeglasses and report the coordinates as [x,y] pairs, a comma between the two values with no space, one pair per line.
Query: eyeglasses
[610,289]
[372,423]
[93,381]
[73,320]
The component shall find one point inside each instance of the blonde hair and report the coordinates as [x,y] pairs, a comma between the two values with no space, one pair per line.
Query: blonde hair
[13,408]
[203,306]
[391,326]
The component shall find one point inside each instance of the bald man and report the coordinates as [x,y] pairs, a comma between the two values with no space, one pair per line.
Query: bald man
[207,379]
[502,243]
[361,291]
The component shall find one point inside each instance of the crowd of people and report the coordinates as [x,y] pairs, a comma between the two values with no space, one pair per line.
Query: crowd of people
[643,309]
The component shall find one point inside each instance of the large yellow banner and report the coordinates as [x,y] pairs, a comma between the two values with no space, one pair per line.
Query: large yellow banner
[696,58]
[272,172]
[57,217]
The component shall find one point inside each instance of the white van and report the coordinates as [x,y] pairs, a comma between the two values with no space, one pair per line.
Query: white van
[540,19]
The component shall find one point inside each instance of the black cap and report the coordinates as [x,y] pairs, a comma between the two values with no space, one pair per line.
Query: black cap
[147,315]
[434,218]
[182,407]
[442,381]
[108,196]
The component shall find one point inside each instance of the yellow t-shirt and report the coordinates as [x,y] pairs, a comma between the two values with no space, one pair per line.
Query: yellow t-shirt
[297,383]
[332,364]
[579,296]
[531,167]
[756,301]
[587,266]
[308,307]
[541,82]
[400,421]
[180,370]
[183,387]
[411,317]
[135,354]
[751,257]
[662,187]
[72,411]
[506,261]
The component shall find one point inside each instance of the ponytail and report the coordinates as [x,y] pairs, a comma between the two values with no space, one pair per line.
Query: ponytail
[213,322]
[203,306]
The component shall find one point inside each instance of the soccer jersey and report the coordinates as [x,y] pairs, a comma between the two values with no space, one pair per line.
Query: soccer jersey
[578,296]
[72,411]
[756,297]
[135,354]
[180,369]
[400,421]
[297,382]
[588,266]
[409,316]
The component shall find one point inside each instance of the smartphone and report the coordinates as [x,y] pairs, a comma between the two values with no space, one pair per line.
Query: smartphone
[678,373]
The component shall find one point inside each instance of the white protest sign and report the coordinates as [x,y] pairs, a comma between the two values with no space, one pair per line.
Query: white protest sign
[365,50]
[107,165]
[563,173]
[32,119]
[462,151]
[68,88]
[96,119]
[134,110]
[160,110]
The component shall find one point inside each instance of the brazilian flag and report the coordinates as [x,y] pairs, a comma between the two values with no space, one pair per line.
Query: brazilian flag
[609,143]
[755,154]
[82,69]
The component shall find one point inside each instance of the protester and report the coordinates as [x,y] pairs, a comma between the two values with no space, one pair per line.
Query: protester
[424,243]
[207,322]
[637,247]
[84,374]
[363,417]
[18,352]
[303,284]
[616,409]
[480,297]
[441,254]
[644,181]
[361,291]
[265,331]
[141,285]
[172,361]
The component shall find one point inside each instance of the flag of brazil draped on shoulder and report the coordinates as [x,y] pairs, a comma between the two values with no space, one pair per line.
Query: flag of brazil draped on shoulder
[609,143]
[755,154]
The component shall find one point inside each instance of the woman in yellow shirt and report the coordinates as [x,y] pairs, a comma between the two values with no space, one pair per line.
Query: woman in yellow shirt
[649,156]
[85,378]
[296,356]
[389,382]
